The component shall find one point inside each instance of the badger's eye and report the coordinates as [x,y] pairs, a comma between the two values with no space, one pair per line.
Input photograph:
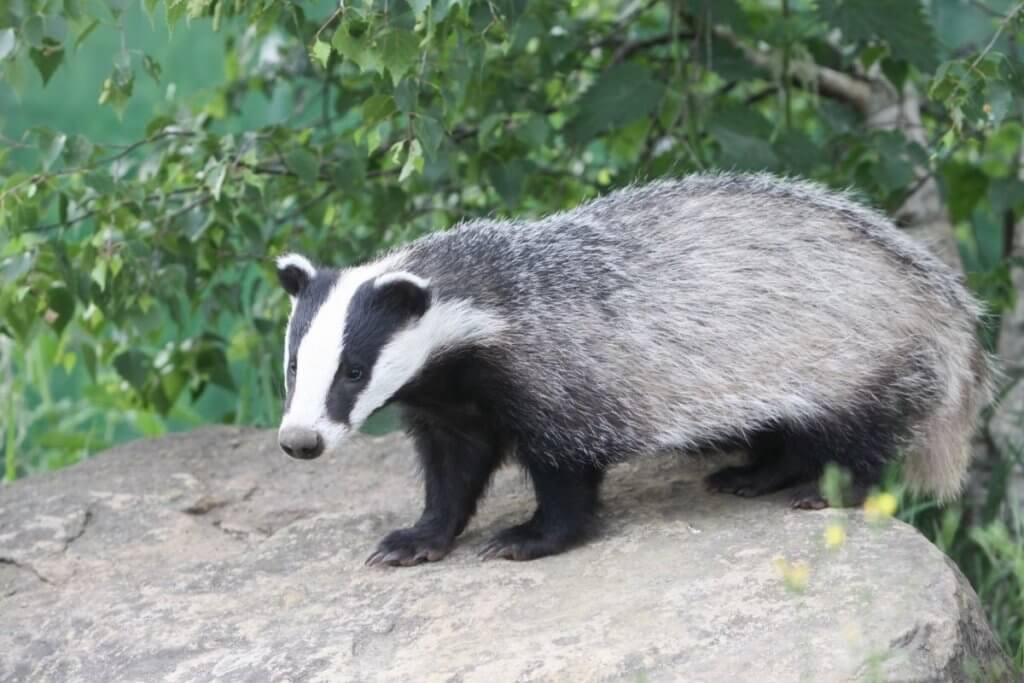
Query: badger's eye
[354,373]
[293,366]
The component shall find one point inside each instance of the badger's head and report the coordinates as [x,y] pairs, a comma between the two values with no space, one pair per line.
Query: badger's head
[354,338]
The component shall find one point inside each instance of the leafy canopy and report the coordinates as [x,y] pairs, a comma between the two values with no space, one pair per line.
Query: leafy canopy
[135,292]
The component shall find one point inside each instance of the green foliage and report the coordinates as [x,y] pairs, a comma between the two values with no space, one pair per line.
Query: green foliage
[988,546]
[156,155]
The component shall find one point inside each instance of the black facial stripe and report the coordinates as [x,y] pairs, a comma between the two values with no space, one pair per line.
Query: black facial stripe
[372,320]
[306,307]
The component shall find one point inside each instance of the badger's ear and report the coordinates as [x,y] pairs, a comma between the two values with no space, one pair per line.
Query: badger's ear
[294,271]
[404,291]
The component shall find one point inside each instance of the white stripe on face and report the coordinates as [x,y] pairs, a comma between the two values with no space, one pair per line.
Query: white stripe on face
[445,324]
[318,356]
[288,342]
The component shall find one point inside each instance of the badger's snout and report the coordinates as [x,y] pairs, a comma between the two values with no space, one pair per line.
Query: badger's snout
[300,442]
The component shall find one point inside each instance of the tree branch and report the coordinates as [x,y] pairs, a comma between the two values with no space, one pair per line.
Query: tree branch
[630,47]
[803,73]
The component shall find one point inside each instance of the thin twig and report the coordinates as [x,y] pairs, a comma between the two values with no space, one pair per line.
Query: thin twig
[92,212]
[125,151]
[308,204]
[987,10]
[999,31]
[327,22]
[630,47]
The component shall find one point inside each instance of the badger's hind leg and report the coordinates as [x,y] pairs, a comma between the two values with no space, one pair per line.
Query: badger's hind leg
[566,502]
[860,443]
[772,468]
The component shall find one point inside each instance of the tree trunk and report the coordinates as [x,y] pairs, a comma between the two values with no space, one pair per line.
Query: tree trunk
[923,214]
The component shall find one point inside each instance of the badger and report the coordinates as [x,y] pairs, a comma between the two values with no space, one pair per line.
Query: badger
[688,315]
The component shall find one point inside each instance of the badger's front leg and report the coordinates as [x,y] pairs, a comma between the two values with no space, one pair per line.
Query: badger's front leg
[566,502]
[456,468]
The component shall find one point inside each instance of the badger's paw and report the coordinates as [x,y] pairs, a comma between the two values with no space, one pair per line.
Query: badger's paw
[524,542]
[407,547]
[747,481]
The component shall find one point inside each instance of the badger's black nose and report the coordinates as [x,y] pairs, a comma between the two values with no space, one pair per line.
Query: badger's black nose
[300,442]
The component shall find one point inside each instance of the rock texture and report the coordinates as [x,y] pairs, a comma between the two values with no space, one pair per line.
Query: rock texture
[209,556]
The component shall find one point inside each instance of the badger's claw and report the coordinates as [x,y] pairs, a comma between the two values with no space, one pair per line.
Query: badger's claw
[408,547]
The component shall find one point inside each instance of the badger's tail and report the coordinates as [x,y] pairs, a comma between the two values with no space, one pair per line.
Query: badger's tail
[940,451]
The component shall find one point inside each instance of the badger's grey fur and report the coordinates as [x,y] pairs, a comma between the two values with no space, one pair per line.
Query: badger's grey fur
[684,314]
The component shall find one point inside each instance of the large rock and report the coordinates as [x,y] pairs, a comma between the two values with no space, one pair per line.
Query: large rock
[210,556]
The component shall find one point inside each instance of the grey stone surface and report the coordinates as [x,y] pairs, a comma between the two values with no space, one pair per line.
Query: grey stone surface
[209,556]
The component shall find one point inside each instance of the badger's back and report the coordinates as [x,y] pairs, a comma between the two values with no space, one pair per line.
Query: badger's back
[683,312]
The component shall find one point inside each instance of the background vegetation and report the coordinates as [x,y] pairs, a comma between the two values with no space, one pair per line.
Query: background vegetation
[156,154]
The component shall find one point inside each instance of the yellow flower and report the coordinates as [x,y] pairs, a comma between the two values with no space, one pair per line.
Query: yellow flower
[835,535]
[795,575]
[880,506]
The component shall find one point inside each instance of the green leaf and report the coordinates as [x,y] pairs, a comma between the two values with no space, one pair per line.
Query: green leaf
[60,301]
[51,147]
[117,7]
[1006,194]
[321,52]
[47,58]
[32,30]
[196,8]
[99,274]
[157,124]
[133,366]
[727,12]
[418,6]
[13,268]
[151,6]
[893,172]
[965,187]
[797,152]
[85,32]
[215,179]
[508,179]
[118,87]
[152,68]
[377,108]
[100,181]
[490,127]
[175,12]
[7,43]
[896,71]
[88,353]
[213,364]
[621,95]
[405,95]
[303,163]
[901,24]
[534,131]
[399,52]
[743,136]
[429,132]
[413,161]
[359,49]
